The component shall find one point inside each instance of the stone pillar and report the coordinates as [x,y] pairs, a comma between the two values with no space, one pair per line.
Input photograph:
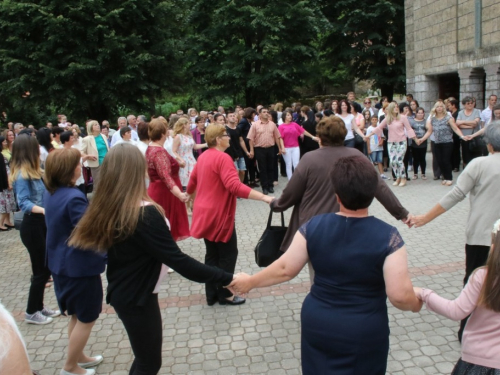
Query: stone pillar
[425,91]
[492,80]
[472,84]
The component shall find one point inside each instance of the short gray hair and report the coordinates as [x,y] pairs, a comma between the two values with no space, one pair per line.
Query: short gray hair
[141,118]
[18,125]
[492,135]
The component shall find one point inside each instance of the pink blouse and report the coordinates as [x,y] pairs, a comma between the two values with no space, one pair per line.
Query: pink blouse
[481,338]
[396,129]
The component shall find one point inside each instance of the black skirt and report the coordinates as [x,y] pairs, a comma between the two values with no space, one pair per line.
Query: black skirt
[80,296]
[466,368]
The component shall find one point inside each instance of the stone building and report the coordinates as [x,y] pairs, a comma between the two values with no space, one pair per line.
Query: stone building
[452,49]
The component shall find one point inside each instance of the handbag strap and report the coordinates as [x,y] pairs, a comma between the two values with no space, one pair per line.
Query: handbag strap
[271,219]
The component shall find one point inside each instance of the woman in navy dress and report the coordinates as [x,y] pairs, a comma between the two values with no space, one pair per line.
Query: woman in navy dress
[358,261]
[76,273]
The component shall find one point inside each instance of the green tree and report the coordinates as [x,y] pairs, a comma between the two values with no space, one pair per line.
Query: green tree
[88,56]
[369,38]
[250,49]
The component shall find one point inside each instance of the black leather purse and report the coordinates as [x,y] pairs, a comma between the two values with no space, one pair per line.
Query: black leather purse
[268,247]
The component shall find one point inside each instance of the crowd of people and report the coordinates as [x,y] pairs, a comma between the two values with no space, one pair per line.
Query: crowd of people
[149,177]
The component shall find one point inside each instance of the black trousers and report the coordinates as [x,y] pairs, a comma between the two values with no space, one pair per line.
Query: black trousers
[144,328]
[419,159]
[467,154]
[455,159]
[222,255]
[475,257]
[267,163]
[33,235]
[443,152]
[435,166]
[250,172]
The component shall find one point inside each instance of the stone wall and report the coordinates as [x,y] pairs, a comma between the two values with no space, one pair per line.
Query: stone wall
[442,37]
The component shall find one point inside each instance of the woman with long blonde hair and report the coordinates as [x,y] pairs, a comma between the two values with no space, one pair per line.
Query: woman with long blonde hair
[131,229]
[443,125]
[26,179]
[397,144]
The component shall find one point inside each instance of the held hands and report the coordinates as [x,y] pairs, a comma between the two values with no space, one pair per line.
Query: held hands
[184,197]
[250,155]
[419,221]
[240,284]
[268,199]
[409,220]
[282,152]
[467,138]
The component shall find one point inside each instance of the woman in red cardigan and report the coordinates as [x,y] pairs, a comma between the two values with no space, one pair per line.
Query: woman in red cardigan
[216,184]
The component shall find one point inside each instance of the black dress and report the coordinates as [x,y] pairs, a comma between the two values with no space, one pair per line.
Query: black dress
[345,327]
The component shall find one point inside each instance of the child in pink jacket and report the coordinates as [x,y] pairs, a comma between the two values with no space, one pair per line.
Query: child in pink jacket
[480,298]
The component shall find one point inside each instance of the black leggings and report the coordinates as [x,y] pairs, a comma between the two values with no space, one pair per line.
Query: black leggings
[33,235]
[222,255]
[419,159]
[144,328]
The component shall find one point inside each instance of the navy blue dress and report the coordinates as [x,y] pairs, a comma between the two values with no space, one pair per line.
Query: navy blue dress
[345,327]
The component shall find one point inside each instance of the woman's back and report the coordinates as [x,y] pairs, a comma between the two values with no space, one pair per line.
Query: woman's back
[348,256]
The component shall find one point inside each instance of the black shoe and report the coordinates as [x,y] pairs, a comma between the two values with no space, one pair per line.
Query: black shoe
[235,301]
[9,226]
[211,302]
[265,192]
[254,184]
[271,190]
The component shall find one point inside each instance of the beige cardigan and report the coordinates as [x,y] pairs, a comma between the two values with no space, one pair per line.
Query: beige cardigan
[481,178]
[89,147]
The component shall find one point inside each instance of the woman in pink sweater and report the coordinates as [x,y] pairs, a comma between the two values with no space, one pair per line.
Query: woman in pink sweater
[396,143]
[481,297]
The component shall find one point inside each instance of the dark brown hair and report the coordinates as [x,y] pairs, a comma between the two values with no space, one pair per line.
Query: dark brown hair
[142,131]
[249,113]
[331,130]
[339,106]
[60,168]
[355,182]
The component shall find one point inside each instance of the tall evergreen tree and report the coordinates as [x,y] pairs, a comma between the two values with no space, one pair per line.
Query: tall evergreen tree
[369,38]
[87,56]
[258,50]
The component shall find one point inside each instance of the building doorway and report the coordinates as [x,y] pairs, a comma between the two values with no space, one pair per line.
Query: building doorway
[449,85]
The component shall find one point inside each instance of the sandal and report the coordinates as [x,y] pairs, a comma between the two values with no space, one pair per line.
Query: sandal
[423,177]
[415,177]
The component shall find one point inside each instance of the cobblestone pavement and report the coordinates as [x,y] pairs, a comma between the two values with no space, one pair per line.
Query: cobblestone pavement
[263,335]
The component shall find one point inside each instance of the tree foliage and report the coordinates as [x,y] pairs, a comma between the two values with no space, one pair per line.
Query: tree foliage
[369,38]
[87,56]
[251,48]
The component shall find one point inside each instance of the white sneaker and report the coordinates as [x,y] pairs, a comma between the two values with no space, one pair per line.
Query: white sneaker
[383,176]
[87,372]
[50,313]
[37,318]
[170,270]
[97,359]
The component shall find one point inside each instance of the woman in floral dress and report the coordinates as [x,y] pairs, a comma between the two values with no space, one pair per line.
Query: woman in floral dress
[7,201]
[183,147]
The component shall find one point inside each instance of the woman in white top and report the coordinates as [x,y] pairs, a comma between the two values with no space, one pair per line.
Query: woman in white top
[344,112]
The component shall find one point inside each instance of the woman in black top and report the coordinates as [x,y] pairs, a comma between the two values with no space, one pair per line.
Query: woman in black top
[128,226]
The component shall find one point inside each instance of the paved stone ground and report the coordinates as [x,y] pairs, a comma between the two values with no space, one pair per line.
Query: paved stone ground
[263,335]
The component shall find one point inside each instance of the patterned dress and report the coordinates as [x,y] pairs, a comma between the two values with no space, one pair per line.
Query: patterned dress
[7,200]
[185,151]
[163,171]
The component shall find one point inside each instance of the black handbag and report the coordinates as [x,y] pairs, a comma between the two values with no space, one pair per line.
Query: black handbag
[477,144]
[268,247]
